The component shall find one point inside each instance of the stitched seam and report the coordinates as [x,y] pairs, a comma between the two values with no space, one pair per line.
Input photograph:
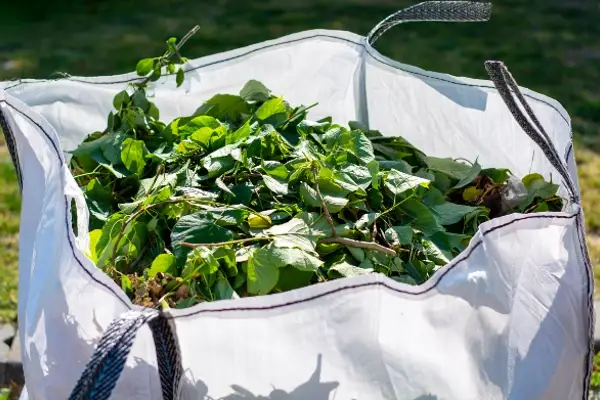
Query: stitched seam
[368,49]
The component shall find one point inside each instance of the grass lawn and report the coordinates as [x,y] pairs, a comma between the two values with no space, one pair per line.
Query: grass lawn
[551,46]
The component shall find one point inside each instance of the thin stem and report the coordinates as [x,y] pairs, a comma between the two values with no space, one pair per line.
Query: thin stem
[159,170]
[323,204]
[359,243]
[187,36]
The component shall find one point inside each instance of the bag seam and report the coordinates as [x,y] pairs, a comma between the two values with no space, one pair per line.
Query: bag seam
[368,48]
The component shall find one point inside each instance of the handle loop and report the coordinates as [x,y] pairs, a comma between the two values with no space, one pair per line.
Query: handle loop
[509,91]
[102,372]
[442,11]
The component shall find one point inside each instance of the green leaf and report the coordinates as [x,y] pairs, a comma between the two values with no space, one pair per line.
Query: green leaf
[98,199]
[453,169]
[435,254]
[242,133]
[471,194]
[291,278]
[272,111]
[180,77]
[279,257]
[132,155]
[126,284]
[276,186]
[255,91]
[398,182]
[401,234]
[423,217]
[470,176]
[347,270]
[121,99]
[223,289]
[164,263]
[144,66]
[188,127]
[497,175]
[224,107]
[361,147]
[200,261]
[405,279]
[262,273]
[366,220]
[399,165]
[196,228]
[311,198]
[197,194]
[293,234]
[139,100]
[537,187]
[450,213]
[275,169]
[92,252]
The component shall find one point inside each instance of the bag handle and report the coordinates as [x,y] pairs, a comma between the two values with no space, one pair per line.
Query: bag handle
[443,11]
[10,141]
[509,91]
[73,193]
[102,372]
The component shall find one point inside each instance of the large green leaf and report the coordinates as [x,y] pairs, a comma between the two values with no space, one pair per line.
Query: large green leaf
[423,217]
[99,200]
[293,234]
[450,213]
[262,272]
[398,182]
[454,169]
[199,227]
[277,186]
[164,263]
[255,91]
[347,270]
[224,107]
[310,198]
[133,155]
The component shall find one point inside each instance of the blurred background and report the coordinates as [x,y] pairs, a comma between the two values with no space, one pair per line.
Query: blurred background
[550,46]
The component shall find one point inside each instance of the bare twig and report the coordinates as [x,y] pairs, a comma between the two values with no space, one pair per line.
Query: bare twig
[227,243]
[374,232]
[359,243]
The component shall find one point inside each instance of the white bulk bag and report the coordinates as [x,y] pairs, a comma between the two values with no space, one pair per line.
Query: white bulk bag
[510,318]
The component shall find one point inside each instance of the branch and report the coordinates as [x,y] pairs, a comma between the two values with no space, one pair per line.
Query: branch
[360,244]
[227,243]
[187,36]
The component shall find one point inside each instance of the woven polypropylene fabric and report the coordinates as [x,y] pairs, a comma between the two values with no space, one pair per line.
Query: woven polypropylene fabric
[448,11]
[102,372]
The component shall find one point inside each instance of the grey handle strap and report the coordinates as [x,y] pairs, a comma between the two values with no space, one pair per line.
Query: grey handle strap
[443,11]
[509,91]
[102,372]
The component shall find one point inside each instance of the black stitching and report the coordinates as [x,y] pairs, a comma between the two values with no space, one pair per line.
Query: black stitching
[568,152]
[456,262]
[590,300]
[378,57]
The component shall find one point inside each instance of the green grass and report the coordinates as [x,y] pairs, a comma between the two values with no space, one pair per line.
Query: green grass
[551,46]
[10,206]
